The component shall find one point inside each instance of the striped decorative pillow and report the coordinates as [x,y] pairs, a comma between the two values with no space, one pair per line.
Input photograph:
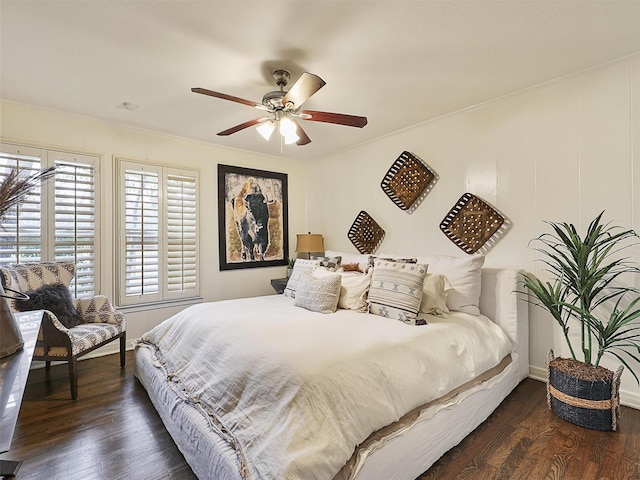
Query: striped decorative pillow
[301,267]
[396,290]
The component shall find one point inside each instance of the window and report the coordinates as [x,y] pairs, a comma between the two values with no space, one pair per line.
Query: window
[158,246]
[57,222]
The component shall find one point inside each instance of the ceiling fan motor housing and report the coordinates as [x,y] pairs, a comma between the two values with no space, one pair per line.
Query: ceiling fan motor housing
[273,99]
[281,77]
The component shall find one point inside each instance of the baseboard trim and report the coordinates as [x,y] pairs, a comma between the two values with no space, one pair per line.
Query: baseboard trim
[109,349]
[628,399]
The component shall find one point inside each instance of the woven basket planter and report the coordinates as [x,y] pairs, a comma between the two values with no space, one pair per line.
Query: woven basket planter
[582,394]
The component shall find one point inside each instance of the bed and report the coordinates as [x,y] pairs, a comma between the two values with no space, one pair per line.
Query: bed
[261,388]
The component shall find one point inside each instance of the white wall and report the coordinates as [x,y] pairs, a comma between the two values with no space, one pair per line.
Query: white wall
[45,128]
[563,151]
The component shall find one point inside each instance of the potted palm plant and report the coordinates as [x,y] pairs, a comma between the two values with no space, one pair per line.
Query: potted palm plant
[290,264]
[590,289]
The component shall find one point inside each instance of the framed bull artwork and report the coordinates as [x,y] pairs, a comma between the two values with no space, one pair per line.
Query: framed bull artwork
[253,218]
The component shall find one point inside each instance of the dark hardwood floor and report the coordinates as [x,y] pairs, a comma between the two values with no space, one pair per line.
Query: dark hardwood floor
[113,432]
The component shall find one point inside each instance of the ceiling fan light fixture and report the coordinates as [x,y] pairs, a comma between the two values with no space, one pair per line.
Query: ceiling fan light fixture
[287,126]
[288,129]
[290,138]
[266,129]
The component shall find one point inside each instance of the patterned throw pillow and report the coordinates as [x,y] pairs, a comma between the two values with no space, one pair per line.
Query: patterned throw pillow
[331,263]
[398,259]
[364,261]
[301,267]
[318,294]
[396,290]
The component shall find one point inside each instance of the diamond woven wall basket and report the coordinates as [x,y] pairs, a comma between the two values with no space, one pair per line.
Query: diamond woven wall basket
[408,181]
[365,233]
[472,223]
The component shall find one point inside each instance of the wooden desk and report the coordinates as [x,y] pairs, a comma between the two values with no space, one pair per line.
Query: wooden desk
[14,370]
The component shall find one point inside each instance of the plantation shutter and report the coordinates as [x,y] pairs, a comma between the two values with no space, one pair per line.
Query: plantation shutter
[58,220]
[75,238]
[142,224]
[181,227]
[20,232]
[158,245]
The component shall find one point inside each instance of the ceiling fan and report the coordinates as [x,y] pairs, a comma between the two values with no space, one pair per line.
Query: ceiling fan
[284,109]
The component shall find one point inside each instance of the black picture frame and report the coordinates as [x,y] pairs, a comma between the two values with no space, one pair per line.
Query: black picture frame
[261,193]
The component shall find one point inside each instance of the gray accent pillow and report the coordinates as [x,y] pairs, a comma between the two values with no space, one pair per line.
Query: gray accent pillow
[319,294]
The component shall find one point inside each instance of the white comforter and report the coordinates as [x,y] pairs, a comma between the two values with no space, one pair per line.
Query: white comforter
[295,392]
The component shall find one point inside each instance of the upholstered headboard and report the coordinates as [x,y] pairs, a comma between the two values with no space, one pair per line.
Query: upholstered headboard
[502,301]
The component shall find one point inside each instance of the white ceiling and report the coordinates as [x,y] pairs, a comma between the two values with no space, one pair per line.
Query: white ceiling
[396,62]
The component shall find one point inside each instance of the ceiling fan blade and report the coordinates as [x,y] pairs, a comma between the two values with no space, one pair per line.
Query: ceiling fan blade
[242,126]
[305,86]
[304,138]
[224,96]
[338,118]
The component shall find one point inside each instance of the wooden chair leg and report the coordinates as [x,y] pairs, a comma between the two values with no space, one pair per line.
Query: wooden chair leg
[73,377]
[123,346]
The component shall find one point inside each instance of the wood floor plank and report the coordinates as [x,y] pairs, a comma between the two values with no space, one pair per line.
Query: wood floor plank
[113,431]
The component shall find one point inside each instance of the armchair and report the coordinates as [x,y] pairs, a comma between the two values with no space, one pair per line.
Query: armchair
[100,322]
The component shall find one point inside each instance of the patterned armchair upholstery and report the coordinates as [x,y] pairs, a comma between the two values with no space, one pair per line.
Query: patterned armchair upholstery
[101,322]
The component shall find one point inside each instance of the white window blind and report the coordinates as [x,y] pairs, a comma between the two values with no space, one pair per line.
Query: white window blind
[159,233]
[59,221]
[75,238]
[20,233]
[142,223]
[181,254]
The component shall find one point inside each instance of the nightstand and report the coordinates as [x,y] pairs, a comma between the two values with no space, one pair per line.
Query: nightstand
[279,284]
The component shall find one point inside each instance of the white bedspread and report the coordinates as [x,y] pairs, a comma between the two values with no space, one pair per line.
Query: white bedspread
[296,391]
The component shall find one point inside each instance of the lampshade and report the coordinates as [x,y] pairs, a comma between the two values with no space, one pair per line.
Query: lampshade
[266,129]
[309,242]
[288,129]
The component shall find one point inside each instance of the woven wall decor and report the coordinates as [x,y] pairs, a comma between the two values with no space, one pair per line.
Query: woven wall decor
[365,233]
[408,181]
[471,223]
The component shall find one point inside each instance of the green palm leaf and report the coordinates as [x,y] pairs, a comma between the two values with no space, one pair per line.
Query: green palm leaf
[589,274]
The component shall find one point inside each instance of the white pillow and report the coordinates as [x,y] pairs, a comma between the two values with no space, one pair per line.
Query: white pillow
[301,267]
[396,290]
[353,290]
[318,294]
[434,295]
[353,287]
[363,260]
[464,275]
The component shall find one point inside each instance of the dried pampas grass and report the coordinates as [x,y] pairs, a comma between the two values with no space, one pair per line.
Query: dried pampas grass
[16,186]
